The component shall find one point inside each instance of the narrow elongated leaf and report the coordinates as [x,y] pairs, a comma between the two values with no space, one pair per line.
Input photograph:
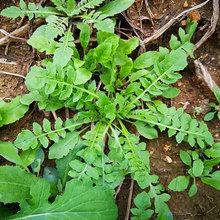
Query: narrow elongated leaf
[115,7]
[84,36]
[146,131]
[10,153]
[79,201]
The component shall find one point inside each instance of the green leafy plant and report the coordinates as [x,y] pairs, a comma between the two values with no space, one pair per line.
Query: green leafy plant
[60,21]
[12,111]
[209,116]
[94,150]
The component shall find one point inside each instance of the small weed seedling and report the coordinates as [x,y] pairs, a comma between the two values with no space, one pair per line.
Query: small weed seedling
[216,107]
[94,150]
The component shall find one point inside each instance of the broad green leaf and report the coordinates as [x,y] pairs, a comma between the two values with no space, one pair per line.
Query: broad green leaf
[146,60]
[62,164]
[71,205]
[146,131]
[10,153]
[136,75]
[171,92]
[214,151]
[84,36]
[28,156]
[12,111]
[127,46]
[213,180]
[115,7]
[179,183]
[62,148]
[142,200]
[193,190]
[103,52]
[198,168]
[82,76]
[15,184]
[185,157]
[40,192]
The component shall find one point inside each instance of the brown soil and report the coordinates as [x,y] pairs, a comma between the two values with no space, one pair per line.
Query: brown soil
[194,93]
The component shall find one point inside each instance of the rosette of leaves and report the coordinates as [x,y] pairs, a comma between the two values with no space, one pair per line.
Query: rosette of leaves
[106,88]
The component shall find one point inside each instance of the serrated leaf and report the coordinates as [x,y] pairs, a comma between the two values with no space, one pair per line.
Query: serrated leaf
[62,55]
[213,180]
[15,184]
[179,183]
[214,151]
[107,25]
[82,76]
[99,204]
[62,148]
[25,140]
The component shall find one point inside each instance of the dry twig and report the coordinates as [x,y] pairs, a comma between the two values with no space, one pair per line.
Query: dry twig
[19,32]
[159,32]
[203,74]
[129,200]
[214,22]
[12,74]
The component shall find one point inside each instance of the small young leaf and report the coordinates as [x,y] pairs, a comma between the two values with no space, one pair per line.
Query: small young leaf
[84,36]
[213,180]
[193,190]
[171,92]
[214,151]
[209,116]
[179,183]
[185,157]
[198,168]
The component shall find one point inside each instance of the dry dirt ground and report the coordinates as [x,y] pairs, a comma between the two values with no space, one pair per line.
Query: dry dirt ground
[17,57]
